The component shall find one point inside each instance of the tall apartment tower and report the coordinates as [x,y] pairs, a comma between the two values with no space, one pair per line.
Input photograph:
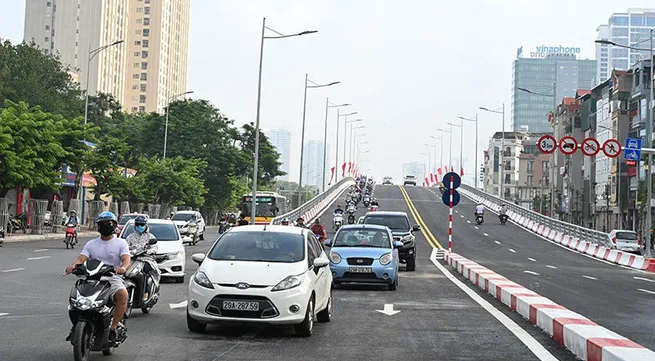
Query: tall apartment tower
[73,28]
[281,140]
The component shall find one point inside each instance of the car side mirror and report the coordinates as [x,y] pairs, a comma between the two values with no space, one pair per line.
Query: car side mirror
[398,244]
[320,262]
[152,241]
[416,228]
[327,243]
[198,258]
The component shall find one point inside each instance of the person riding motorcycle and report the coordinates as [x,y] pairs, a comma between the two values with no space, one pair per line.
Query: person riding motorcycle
[319,230]
[112,251]
[138,241]
[338,210]
[72,219]
[502,213]
[479,209]
[300,222]
[242,221]
[374,202]
[285,221]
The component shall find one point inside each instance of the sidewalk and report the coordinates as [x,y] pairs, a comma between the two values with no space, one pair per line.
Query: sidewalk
[24,237]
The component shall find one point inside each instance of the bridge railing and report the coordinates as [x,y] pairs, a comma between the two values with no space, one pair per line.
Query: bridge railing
[517,212]
[312,208]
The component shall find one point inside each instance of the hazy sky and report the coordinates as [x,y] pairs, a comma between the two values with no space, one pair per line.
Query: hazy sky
[408,67]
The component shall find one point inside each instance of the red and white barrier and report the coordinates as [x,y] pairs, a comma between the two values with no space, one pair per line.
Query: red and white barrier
[581,336]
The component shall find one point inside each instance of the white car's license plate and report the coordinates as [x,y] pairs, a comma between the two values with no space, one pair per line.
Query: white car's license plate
[361,269]
[241,306]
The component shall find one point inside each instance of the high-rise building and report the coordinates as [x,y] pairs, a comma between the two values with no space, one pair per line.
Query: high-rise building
[313,166]
[416,169]
[143,72]
[629,28]
[281,140]
[549,70]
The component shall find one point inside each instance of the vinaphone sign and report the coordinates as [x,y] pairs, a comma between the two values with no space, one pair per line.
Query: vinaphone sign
[544,51]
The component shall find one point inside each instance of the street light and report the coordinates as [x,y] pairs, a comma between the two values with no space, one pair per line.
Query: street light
[502,149]
[475,169]
[329,105]
[304,108]
[440,139]
[168,102]
[336,143]
[461,141]
[351,146]
[92,54]
[649,131]
[346,141]
[259,98]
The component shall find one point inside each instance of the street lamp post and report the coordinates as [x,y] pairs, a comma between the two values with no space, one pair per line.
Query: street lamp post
[336,142]
[168,102]
[434,160]
[430,159]
[352,140]
[502,150]
[328,105]
[302,137]
[442,131]
[475,171]
[461,141]
[259,98]
[346,141]
[649,134]
[92,54]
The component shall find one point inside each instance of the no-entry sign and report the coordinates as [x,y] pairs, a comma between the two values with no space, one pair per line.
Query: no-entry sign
[590,147]
[547,144]
[612,148]
[568,145]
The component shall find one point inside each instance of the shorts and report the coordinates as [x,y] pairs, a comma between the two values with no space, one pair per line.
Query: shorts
[115,284]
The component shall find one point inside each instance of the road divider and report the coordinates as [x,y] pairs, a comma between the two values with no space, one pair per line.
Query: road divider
[584,338]
[432,240]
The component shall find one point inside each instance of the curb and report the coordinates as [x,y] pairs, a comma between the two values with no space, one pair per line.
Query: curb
[584,338]
[46,236]
[581,246]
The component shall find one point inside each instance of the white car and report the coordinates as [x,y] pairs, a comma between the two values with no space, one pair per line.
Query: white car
[183,218]
[624,240]
[409,179]
[171,256]
[262,274]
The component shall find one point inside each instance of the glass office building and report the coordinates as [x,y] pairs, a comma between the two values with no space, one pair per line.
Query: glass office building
[558,74]
[628,28]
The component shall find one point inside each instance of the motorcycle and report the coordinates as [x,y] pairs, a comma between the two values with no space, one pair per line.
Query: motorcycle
[222,226]
[373,208]
[193,233]
[142,288]
[503,218]
[337,220]
[367,201]
[91,310]
[71,236]
[479,218]
[351,217]
[16,223]
[2,236]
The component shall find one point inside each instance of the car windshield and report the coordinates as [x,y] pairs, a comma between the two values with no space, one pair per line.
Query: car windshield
[395,223]
[629,236]
[409,177]
[182,217]
[360,237]
[263,246]
[161,231]
[126,218]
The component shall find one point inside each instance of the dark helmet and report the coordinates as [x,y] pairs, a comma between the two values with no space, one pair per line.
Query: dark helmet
[141,221]
[317,221]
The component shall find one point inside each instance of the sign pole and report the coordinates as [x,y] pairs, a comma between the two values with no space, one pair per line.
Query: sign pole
[450,223]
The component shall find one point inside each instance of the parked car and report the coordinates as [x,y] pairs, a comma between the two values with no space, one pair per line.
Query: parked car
[170,256]
[624,240]
[262,274]
[183,219]
[364,254]
[400,227]
[409,179]
[124,218]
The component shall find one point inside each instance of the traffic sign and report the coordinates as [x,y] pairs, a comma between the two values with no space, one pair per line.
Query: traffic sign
[445,197]
[632,149]
[457,180]
[547,144]
[612,148]
[632,143]
[568,145]
[590,147]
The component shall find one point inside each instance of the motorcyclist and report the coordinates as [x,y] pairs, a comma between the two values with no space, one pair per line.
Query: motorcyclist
[338,210]
[232,220]
[242,221]
[112,251]
[285,221]
[318,229]
[502,213]
[72,219]
[138,241]
[374,202]
[300,222]
[479,209]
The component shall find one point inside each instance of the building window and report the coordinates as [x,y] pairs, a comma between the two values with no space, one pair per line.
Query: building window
[530,180]
[144,54]
[135,76]
[146,43]
[136,65]
[138,32]
[139,21]
[134,109]
[142,108]
[47,27]
[139,10]
[146,21]
[147,10]
[530,166]
[142,99]
[137,53]
[146,32]
[144,65]
[144,76]
[135,87]
[544,165]
[47,39]
[143,87]
[48,4]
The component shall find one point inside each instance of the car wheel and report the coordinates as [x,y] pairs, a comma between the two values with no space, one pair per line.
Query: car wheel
[195,326]
[394,285]
[307,326]
[179,279]
[202,235]
[411,263]
[326,314]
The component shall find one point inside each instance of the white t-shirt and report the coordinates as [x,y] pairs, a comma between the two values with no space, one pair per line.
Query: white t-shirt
[479,208]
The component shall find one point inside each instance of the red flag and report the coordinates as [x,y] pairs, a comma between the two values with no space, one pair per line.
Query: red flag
[431,177]
[350,167]
[452,169]
[461,172]
[343,170]
[440,171]
[427,181]
[331,176]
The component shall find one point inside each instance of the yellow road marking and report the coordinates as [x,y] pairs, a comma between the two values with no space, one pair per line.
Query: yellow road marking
[432,240]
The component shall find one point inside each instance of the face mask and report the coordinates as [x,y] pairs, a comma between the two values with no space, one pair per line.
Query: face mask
[106,229]
[140,229]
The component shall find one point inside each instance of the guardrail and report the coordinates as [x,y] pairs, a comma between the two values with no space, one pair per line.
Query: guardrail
[516,212]
[315,206]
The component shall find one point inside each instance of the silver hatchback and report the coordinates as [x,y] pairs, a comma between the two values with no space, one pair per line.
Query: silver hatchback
[624,240]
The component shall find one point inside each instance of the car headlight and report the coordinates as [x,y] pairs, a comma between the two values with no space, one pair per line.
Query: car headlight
[174,255]
[201,279]
[408,238]
[288,283]
[335,257]
[385,259]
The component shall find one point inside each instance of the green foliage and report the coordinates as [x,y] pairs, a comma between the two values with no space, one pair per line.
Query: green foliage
[173,181]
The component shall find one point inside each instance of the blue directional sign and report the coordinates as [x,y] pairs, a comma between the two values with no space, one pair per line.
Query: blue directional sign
[632,149]
[445,197]
[457,180]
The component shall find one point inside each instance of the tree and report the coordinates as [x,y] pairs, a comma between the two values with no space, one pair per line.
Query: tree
[103,161]
[173,181]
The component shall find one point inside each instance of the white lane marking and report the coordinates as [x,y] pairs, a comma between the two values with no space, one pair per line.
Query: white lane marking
[476,227]
[589,277]
[388,310]
[486,234]
[178,305]
[644,279]
[41,250]
[12,270]
[461,215]
[532,259]
[36,258]
[549,266]
[3,314]
[532,273]
[647,291]
[467,221]
[497,242]
[511,250]
[529,341]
